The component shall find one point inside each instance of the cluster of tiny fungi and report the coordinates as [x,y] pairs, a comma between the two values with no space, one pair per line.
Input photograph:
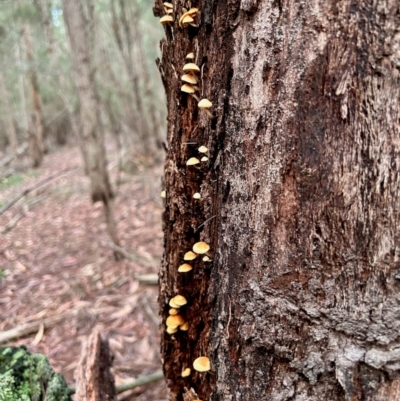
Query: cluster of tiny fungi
[190,79]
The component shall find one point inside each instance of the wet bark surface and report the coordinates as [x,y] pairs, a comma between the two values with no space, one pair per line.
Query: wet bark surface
[301,300]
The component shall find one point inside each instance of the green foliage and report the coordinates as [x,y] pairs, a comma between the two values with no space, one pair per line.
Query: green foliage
[16,179]
[29,377]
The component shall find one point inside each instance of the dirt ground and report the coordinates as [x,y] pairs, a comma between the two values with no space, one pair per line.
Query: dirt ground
[55,261]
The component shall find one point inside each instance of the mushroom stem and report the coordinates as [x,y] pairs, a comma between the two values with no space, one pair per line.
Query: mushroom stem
[209,114]
[195,96]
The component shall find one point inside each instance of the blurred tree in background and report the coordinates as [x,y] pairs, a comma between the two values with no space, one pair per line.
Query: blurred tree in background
[38,98]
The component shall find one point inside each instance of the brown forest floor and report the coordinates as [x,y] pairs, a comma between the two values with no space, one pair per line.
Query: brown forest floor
[55,260]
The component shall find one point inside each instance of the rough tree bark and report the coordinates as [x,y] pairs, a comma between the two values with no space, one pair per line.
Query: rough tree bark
[36,131]
[301,199]
[92,141]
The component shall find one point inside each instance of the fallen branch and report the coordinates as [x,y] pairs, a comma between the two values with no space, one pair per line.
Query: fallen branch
[36,186]
[132,257]
[20,151]
[140,381]
[11,224]
[33,327]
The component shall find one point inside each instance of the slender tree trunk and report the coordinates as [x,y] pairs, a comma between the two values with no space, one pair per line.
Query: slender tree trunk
[21,84]
[300,201]
[36,132]
[45,12]
[12,132]
[92,140]
[121,28]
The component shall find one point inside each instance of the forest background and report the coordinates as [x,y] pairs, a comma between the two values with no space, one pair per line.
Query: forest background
[57,260]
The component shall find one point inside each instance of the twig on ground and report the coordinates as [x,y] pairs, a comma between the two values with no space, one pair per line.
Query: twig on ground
[147,279]
[36,186]
[29,328]
[11,224]
[133,257]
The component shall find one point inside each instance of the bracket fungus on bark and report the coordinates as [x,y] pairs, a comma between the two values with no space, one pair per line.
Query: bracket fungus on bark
[174,321]
[188,17]
[197,196]
[206,259]
[192,161]
[191,67]
[204,159]
[163,194]
[184,268]
[189,256]
[187,88]
[168,7]
[171,330]
[172,304]
[202,149]
[205,105]
[184,326]
[190,56]
[166,20]
[173,311]
[189,78]
[179,300]
[201,247]
[202,364]
[186,372]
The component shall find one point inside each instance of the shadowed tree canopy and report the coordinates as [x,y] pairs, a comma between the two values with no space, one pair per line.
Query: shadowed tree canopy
[299,200]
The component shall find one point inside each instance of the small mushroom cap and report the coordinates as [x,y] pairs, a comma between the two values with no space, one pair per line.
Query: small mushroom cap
[173,304]
[180,300]
[196,196]
[192,161]
[193,11]
[202,364]
[173,311]
[168,5]
[187,19]
[206,259]
[204,159]
[172,330]
[166,19]
[189,78]
[201,247]
[191,67]
[184,326]
[204,104]
[168,10]
[163,194]
[189,256]
[184,268]
[186,372]
[190,56]
[203,149]
[174,321]
[187,88]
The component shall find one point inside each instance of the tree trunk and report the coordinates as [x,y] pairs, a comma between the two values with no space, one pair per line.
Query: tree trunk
[36,131]
[300,201]
[12,132]
[93,147]
[94,380]
[122,29]
[45,13]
